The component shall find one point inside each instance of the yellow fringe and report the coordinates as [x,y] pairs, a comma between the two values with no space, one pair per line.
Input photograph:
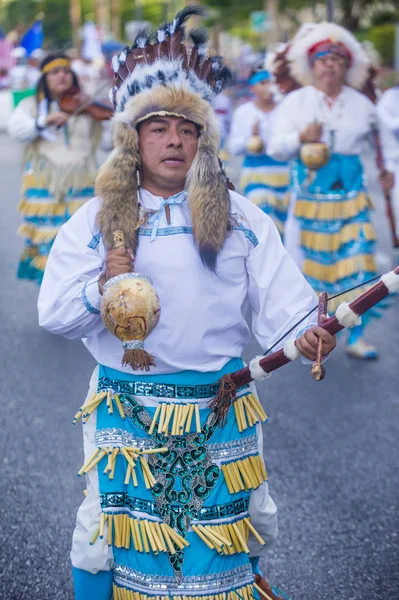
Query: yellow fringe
[40,262]
[41,209]
[175,419]
[339,270]
[273,179]
[331,210]
[133,457]
[245,592]
[146,536]
[348,297]
[94,401]
[37,236]
[74,205]
[229,538]
[248,411]
[245,474]
[331,242]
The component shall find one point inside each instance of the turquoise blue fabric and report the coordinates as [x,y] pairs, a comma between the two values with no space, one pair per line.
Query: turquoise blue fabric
[340,181]
[272,199]
[92,587]
[117,498]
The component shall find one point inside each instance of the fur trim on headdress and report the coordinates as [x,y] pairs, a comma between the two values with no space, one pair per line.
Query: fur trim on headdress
[309,37]
[167,77]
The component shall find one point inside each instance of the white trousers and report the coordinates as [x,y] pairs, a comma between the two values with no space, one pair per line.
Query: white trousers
[99,556]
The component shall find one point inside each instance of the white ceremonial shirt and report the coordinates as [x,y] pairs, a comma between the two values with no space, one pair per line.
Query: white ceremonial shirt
[388,116]
[350,117]
[244,119]
[202,323]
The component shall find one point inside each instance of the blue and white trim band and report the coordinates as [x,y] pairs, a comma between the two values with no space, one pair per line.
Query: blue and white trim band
[85,300]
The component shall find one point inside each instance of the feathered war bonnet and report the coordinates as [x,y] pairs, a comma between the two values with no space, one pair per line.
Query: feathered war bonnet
[171,78]
[291,64]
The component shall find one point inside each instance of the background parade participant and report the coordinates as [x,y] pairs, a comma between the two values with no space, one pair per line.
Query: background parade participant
[263,179]
[388,115]
[59,161]
[210,253]
[328,231]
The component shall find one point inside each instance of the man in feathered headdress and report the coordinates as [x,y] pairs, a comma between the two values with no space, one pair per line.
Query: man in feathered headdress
[180,523]
[328,231]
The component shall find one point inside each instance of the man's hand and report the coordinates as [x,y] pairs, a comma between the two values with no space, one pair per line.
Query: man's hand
[307,343]
[58,119]
[312,133]
[387,181]
[118,262]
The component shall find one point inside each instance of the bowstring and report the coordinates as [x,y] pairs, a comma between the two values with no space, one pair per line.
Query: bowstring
[315,308]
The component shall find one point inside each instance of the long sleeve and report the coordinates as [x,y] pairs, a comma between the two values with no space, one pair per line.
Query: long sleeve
[284,142]
[278,293]
[237,140]
[387,111]
[69,300]
[22,125]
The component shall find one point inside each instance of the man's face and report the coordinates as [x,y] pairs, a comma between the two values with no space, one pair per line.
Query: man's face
[329,69]
[59,80]
[263,90]
[168,146]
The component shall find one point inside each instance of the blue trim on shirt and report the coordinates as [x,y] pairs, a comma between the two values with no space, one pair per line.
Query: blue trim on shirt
[95,240]
[182,229]
[85,300]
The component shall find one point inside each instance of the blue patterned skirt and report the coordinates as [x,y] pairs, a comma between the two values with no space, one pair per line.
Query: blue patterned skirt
[265,182]
[174,486]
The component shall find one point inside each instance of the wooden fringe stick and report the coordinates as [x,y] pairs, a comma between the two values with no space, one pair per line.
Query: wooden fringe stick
[248,411]
[147,536]
[94,401]
[245,592]
[228,538]
[130,454]
[245,474]
[175,419]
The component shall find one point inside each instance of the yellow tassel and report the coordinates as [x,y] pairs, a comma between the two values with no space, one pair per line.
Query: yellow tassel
[332,242]
[154,420]
[144,536]
[341,269]
[261,592]
[93,401]
[190,418]
[95,536]
[109,532]
[41,209]
[148,475]
[37,236]
[109,403]
[166,536]
[248,411]
[87,463]
[88,467]
[169,412]
[331,210]
[245,474]
[40,262]
[103,519]
[162,416]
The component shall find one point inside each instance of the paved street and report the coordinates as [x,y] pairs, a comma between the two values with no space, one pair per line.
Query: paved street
[331,450]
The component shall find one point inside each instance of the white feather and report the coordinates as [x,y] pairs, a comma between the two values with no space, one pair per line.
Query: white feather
[290,350]
[122,57]
[115,63]
[346,316]
[391,282]
[257,373]
[161,35]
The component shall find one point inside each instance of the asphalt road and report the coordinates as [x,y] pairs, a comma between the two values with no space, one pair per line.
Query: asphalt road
[331,450]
